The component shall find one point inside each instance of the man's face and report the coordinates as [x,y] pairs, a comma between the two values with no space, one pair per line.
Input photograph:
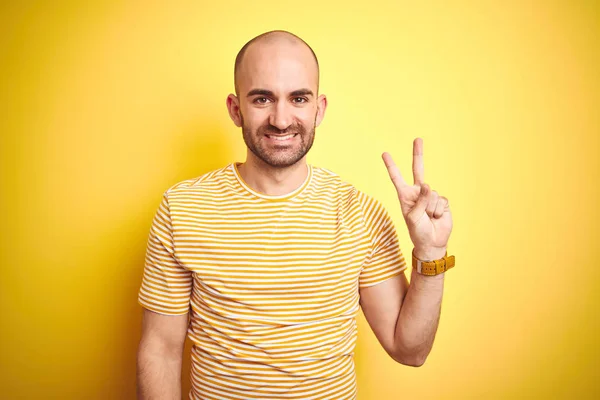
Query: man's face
[277,102]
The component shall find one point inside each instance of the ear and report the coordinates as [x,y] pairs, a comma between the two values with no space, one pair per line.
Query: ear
[233,106]
[321,107]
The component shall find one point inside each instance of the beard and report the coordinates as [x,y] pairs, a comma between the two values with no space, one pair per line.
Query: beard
[279,156]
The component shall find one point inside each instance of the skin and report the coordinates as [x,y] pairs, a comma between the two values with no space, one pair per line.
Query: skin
[278,95]
[159,356]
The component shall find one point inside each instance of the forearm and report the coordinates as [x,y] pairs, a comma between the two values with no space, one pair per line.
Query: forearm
[158,376]
[420,313]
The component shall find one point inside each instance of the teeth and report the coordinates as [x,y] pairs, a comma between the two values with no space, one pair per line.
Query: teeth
[286,137]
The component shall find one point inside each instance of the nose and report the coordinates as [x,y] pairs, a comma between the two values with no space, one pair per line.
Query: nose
[281,116]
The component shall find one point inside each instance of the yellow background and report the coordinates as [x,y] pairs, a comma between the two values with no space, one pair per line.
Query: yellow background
[106,104]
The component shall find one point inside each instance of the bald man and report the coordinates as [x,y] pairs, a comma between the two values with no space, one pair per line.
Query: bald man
[265,264]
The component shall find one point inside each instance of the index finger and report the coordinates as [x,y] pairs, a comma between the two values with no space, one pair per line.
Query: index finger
[394,172]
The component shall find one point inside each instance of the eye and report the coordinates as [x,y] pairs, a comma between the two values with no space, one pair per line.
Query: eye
[258,100]
[302,99]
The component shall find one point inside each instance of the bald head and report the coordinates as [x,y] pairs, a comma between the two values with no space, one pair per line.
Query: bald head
[268,45]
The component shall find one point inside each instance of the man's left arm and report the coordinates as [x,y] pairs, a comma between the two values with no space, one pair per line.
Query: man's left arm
[404,317]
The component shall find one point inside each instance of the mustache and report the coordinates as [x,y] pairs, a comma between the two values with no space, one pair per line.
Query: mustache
[271,130]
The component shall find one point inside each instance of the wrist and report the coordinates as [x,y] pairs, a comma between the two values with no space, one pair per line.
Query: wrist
[430,253]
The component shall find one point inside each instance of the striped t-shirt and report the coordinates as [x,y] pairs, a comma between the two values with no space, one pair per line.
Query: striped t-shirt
[271,282]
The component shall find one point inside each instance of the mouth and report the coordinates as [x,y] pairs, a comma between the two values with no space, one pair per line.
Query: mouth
[282,138]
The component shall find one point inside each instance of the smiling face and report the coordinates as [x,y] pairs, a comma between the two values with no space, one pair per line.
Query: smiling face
[277,107]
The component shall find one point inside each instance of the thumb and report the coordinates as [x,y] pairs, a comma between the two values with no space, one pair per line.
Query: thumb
[415,214]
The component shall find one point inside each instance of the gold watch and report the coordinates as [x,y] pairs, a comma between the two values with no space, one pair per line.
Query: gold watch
[432,267]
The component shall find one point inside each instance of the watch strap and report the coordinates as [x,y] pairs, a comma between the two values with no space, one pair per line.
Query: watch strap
[433,267]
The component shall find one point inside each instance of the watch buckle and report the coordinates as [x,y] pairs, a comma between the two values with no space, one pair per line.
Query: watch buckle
[419,269]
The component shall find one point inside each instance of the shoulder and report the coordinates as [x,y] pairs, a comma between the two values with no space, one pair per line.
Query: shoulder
[329,181]
[352,201]
[205,183]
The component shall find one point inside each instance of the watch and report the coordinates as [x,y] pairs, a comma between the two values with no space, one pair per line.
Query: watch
[432,267]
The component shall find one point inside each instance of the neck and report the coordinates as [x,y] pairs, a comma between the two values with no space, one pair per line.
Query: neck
[272,181]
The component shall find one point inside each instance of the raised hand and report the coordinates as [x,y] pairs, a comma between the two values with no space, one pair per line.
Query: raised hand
[426,213]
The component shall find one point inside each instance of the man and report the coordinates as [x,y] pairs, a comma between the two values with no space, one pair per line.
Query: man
[272,258]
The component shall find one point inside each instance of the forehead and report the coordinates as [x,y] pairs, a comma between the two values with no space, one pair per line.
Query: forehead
[278,67]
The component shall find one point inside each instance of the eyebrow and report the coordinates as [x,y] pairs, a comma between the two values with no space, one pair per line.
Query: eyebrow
[265,92]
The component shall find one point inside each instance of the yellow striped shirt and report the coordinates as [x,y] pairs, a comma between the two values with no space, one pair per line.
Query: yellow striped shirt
[271,282]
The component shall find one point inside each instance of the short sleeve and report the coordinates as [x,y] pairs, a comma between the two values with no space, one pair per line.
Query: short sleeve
[385,259]
[166,284]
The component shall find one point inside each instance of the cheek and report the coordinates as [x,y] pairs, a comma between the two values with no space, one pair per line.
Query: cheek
[255,119]
[307,116]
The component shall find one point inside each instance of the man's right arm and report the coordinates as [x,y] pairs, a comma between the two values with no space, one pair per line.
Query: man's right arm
[159,356]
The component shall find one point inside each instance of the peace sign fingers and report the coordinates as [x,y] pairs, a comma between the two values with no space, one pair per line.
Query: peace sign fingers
[426,213]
